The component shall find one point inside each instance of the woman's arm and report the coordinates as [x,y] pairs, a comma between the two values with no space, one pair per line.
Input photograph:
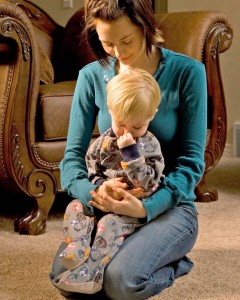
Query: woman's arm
[185,110]
[74,177]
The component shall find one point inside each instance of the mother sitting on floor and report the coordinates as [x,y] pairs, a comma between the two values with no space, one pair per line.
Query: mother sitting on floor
[123,34]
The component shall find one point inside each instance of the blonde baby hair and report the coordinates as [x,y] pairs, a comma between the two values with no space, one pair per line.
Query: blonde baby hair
[132,93]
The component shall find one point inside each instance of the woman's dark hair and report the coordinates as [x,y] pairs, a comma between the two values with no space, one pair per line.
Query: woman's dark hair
[140,13]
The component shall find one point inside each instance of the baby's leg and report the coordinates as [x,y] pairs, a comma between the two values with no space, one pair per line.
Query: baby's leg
[88,278]
[77,229]
[111,232]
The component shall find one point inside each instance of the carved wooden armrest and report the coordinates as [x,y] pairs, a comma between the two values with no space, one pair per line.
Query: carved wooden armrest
[20,81]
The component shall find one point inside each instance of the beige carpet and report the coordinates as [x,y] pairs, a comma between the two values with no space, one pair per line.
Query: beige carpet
[26,260]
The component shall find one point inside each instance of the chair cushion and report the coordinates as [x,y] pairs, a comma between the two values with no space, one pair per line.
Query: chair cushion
[54,110]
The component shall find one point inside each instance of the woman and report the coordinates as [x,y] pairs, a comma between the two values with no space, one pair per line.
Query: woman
[124,34]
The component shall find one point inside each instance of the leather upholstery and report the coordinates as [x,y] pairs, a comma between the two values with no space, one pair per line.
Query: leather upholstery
[54,109]
[34,111]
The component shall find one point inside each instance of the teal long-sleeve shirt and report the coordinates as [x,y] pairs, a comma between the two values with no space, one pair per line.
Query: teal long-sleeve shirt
[180,125]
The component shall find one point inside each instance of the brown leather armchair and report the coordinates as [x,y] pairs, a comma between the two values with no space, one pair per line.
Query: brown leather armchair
[39,64]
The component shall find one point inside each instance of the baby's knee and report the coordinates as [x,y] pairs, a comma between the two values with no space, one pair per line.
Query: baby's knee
[108,219]
[74,206]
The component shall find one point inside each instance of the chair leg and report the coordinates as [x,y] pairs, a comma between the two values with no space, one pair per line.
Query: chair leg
[34,222]
[204,193]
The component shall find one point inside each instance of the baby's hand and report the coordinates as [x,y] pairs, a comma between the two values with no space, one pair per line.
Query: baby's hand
[106,189]
[125,140]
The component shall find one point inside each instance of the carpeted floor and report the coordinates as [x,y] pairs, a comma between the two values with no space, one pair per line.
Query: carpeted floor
[26,260]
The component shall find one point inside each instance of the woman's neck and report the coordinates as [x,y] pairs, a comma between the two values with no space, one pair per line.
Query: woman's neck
[149,63]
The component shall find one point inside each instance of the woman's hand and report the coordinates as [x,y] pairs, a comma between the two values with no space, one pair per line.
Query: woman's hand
[106,188]
[129,205]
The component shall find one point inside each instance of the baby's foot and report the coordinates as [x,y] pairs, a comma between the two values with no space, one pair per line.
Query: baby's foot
[80,280]
[82,287]
[75,254]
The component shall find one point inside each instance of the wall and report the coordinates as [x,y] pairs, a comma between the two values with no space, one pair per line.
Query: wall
[61,15]
[160,6]
[230,60]
[55,9]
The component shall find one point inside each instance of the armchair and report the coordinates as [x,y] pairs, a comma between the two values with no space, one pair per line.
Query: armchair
[39,64]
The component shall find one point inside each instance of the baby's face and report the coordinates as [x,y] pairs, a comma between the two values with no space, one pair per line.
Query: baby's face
[137,126]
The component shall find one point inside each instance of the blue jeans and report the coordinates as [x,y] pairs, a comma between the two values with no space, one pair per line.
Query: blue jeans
[150,259]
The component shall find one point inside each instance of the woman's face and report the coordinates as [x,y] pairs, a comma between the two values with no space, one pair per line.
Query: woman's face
[123,40]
